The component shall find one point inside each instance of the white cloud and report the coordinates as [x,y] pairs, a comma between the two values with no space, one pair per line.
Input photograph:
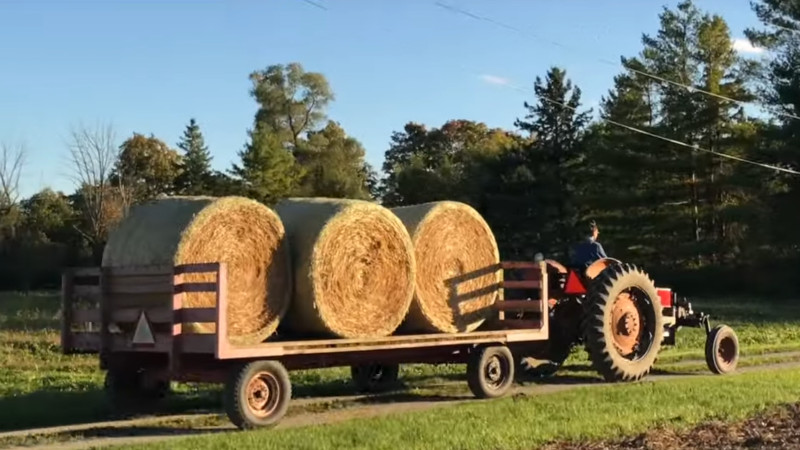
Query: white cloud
[742,45]
[494,79]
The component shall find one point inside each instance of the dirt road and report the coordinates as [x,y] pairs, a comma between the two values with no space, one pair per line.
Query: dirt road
[350,407]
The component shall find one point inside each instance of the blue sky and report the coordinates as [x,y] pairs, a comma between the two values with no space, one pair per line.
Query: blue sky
[149,66]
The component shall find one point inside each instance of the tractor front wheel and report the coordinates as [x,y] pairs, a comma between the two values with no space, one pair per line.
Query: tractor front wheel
[622,324]
[722,350]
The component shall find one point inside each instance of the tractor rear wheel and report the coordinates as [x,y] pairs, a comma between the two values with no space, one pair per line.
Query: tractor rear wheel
[622,323]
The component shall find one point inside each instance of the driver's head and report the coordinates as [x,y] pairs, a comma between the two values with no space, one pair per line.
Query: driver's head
[593,230]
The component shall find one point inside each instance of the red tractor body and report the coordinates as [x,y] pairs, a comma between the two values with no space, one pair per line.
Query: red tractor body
[622,319]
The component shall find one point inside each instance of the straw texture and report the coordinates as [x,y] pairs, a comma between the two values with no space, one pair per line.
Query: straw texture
[457,267]
[354,267]
[246,235]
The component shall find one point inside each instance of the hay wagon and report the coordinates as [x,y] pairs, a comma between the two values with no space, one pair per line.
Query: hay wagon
[136,320]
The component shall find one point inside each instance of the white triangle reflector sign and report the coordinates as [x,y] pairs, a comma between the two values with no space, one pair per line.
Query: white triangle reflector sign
[143,334]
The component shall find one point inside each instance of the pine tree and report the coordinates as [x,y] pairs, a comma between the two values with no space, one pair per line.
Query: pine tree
[195,179]
[781,76]
[626,186]
[557,128]
[667,202]
[267,172]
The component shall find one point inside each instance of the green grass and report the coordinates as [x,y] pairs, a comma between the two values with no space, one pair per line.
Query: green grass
[41,387]
[525,422]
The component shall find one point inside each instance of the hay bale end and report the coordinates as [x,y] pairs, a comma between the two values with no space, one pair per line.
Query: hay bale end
[354,267]
[457,267]
[246,235]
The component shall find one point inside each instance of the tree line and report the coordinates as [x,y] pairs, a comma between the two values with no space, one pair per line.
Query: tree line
[649,166]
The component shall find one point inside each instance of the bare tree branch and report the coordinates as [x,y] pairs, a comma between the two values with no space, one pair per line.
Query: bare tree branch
[93,155]
[12,159]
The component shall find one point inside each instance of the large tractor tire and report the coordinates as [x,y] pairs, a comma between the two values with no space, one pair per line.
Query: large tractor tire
[622,325]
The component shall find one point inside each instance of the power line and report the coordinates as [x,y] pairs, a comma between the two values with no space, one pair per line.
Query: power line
[663,138]
[781,27]
[472,15]
[619,124]
[318,5]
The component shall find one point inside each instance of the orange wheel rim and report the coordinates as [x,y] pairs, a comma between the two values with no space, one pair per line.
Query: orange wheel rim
[625,324]
[263,392]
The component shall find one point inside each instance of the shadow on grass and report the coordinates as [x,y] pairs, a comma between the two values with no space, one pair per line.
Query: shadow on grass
[655,371]
[407,397]
[345,387]
[146,431]
[57,408]
[106,433]
[559,380]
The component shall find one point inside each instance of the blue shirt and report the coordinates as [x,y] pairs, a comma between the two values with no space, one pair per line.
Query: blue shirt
[587,252]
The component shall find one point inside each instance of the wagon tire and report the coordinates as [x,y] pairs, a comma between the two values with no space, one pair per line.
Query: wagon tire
[372,378]
[490,371]
[257,394]
[722,350]
[120,387]
[128,387]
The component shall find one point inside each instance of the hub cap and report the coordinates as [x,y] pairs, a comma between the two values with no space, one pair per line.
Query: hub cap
[263,392]
[625,324]
[726,352]
[494,372]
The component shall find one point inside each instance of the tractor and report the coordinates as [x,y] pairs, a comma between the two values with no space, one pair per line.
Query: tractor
[622,319]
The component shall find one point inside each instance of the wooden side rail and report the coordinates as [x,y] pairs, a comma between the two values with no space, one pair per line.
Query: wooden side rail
[80,284]
[138,309]
[144,310]
[530,312]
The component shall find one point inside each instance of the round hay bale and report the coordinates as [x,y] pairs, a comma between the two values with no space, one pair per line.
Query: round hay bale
[353,264]
[246,235]
[457,267]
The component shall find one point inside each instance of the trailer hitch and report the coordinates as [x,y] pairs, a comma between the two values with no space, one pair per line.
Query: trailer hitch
[686,317]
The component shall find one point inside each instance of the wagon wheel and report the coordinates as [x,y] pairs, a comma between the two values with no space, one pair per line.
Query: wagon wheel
[375,377]
[257,394]
[490,371]
[623,325]
[127,387]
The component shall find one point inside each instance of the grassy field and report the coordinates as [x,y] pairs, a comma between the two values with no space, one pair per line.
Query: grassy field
[525,422]
[41,387]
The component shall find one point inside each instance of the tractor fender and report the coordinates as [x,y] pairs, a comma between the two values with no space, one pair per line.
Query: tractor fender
[600,265]
[556,265]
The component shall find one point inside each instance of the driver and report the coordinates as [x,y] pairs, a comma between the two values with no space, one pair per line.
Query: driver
[589,250]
